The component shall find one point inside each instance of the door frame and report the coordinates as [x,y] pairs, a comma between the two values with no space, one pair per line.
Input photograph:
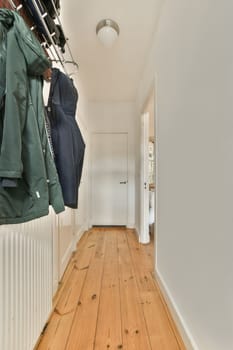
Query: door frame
[91,173]
[144,236]
[153,90]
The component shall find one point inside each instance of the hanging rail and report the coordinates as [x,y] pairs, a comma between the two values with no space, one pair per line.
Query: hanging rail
[42,16]
[33,27]
[68,46]
[17,8]
[60,57]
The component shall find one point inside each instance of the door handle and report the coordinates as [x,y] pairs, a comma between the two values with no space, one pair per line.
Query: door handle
[123,182]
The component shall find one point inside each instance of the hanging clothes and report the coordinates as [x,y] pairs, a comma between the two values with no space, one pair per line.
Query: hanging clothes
[29,181]
[46,7]
[49,4]
[68,143]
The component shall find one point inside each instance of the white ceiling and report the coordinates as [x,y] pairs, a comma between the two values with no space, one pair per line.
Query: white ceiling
[110,74]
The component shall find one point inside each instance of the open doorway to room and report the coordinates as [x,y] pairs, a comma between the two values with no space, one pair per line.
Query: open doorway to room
[148,171]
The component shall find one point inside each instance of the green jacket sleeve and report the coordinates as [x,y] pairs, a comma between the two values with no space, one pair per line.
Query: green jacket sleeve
[13,113]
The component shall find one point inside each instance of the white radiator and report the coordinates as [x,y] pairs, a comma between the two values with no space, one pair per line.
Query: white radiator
[25,282]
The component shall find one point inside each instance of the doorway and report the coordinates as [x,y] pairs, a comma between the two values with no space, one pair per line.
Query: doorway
[109,179]
[147,181]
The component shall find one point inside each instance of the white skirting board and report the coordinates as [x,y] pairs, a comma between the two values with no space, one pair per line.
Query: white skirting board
[130,225]
[178,319]
[137,232]
[78,234]
[65,259]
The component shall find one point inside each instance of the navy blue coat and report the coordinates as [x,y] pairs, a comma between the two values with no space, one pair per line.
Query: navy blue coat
[67,140]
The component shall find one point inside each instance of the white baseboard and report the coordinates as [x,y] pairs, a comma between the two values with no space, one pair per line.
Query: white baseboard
[139,238]
[78,234]
[130,226]
[147,241]
[144,241]
[65,260]
[137,232]
[178,319]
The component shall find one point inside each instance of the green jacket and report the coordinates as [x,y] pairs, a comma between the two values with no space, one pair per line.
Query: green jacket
[29,181]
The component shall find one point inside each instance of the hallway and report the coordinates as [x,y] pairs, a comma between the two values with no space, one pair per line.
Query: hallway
[108,298]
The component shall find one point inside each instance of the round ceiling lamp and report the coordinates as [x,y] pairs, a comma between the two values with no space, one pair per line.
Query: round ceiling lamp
[107,31]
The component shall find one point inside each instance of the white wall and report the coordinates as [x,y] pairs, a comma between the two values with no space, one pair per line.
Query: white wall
[118,117]
[150,108]
[192,56]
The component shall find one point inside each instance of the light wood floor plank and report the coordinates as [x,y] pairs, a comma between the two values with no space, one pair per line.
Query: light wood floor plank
[159,327]
[69,299]
[109,334]
[82,335]
[64,282]
[135,336]
[142,263]
[58,330]
[109,299]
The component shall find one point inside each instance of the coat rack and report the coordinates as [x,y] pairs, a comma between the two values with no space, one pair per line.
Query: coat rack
[54,53]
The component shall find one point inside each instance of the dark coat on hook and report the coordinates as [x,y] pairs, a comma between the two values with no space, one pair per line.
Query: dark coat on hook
[68,143]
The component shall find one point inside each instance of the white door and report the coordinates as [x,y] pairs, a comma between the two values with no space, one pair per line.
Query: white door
[109,190]
[144,180]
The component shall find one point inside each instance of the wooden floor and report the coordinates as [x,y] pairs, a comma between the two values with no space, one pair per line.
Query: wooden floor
[109,299]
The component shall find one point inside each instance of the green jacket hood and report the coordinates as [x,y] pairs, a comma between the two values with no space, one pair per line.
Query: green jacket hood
[34,55]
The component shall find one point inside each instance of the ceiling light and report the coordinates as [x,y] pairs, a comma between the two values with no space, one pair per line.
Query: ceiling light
[107,31]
